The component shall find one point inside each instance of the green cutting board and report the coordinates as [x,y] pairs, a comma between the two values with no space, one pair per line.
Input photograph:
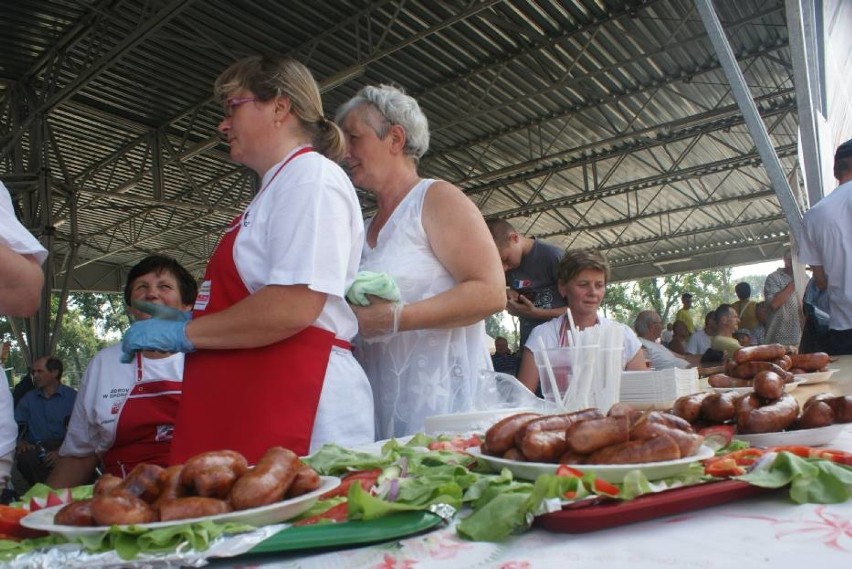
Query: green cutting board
[348,533]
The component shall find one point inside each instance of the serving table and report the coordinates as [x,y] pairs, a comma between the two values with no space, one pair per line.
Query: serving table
[768,530]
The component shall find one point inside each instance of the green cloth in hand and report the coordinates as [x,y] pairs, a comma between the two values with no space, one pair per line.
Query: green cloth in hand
[376,284]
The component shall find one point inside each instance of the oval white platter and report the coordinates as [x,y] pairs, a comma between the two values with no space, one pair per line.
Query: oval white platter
[610,472]
[804,437]
[264,515]
[817,376]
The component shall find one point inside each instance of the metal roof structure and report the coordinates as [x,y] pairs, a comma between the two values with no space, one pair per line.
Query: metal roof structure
[590,123]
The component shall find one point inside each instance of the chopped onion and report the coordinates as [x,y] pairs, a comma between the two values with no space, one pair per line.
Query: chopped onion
[394,490]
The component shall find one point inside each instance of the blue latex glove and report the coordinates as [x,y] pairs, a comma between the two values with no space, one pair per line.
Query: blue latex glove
[155,334]
[162,311]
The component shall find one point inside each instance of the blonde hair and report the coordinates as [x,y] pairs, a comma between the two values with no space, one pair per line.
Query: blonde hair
[271,76]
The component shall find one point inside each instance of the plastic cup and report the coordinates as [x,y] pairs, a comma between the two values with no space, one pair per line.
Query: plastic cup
[560,360]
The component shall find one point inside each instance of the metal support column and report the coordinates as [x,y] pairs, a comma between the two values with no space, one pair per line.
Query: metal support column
[751,116]
[801,29]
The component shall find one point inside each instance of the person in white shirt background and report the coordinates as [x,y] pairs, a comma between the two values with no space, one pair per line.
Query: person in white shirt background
[21,282]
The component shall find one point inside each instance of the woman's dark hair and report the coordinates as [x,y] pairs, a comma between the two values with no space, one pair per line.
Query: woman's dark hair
[158,264]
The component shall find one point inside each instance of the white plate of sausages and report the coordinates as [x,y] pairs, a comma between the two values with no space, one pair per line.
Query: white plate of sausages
[816,376]
[614,473]
[788,387]
[264,515]
[804,437]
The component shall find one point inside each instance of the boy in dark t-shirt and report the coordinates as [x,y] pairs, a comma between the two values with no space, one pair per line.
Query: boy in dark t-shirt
[530,265]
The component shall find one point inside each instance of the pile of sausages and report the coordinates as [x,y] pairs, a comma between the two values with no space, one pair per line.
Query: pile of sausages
[768,408]
[208,484]
[623,436]
[748,362]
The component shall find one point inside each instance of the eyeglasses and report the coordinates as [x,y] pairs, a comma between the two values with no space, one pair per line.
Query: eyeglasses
[234,102]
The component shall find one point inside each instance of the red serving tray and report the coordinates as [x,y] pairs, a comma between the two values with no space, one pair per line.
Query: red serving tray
[581,518]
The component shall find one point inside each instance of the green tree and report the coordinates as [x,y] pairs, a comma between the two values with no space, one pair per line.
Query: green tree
[90,322]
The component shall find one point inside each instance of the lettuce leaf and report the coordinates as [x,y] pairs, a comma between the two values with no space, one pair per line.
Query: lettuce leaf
[812,481]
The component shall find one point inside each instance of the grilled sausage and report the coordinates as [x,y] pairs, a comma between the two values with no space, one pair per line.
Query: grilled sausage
[810,362]
[586,437]
[763,353]
[747,370]
[784,362]
[106,484]
[656,449]
[768,385]
[819,414]
[172,487]
[120,507]
[688,407]
[77,513]
[145,481]
[268,481]
[190,507]
[842,407]
[558,422]
[544,446]
[719,407]
[501,435]
[771,418]
[307,480]
[722,380]
[198,467]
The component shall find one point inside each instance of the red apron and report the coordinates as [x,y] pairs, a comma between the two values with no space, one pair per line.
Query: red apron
[146,420]
[249,399]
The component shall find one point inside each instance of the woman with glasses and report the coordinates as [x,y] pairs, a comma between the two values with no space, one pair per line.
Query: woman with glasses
[424,353]
[583,274]
[270,361]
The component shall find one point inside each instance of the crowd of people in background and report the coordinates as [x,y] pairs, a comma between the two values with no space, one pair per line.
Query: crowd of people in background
[273,300]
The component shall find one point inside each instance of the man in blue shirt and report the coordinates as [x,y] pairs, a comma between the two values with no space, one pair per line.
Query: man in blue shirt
[42,415]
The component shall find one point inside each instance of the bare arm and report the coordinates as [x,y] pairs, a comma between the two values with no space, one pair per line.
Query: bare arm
[528,372]
[21,281]
[820,278]
[637,362]
[72,471]
[523,307]
[462,243]
[269,315]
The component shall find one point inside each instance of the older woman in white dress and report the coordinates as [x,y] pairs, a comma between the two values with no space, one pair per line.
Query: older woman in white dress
[422,354]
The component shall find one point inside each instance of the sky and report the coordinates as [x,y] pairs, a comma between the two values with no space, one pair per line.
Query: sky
[754,269]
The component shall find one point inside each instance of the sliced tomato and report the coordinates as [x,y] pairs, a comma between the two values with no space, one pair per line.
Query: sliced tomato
[334,514]
[366,478]
[568,472]
[834,455]
[600,486]
[717,436]
[724,468]
[10,523]
[732,463]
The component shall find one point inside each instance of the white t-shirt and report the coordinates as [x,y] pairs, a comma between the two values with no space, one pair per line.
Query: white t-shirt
[105,385]
[16,237]
[306,228]
[661,357]
[698,343]
[549,334]
[828,242]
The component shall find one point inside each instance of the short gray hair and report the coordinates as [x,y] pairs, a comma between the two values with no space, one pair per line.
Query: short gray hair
[643,321]
[390,106]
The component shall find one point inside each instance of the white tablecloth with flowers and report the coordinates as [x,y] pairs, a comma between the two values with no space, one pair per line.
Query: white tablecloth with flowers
[765,531]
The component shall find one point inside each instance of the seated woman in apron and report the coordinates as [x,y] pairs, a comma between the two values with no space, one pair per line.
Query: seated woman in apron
[125,412]
[271,363]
